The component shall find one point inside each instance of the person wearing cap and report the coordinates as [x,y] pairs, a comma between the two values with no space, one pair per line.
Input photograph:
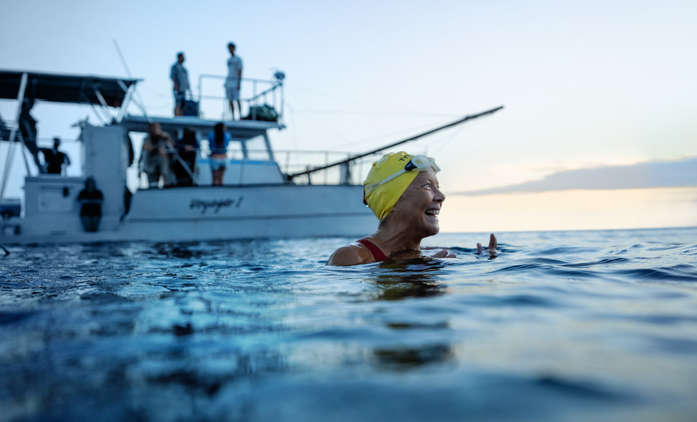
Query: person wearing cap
[403,192]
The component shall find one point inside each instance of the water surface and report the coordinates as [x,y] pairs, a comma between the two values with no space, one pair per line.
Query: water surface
[560,326]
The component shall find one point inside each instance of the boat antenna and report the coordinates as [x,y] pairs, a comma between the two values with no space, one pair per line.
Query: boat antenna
[400,142]
[139,103]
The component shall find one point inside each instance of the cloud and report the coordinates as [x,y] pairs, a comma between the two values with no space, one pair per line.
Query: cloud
[652,174]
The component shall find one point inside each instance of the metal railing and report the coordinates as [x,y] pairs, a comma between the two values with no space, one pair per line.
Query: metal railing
[291,161]
[253,92]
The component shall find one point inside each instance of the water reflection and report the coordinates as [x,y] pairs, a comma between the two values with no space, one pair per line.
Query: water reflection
[406,358]
[414,278]
[418,277]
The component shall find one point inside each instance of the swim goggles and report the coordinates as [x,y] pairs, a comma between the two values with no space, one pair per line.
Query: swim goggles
[420,162]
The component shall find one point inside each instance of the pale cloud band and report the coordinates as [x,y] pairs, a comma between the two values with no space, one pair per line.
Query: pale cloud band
[653,174]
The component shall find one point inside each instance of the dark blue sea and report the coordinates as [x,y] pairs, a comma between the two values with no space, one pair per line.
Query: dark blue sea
[560,326]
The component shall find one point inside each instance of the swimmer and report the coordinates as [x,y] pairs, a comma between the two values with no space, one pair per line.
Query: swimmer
[403,192]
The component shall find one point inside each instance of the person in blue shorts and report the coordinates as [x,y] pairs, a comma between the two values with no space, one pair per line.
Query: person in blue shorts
[218,141]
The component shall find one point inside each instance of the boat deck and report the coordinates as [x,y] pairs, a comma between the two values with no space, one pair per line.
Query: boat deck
[238,129]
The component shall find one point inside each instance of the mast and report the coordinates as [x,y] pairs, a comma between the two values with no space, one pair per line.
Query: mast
[394,144]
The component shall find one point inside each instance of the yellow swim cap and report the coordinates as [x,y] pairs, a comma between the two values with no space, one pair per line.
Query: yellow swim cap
[389,177]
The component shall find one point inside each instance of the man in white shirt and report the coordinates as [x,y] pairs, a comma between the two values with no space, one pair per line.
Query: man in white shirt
[232,82]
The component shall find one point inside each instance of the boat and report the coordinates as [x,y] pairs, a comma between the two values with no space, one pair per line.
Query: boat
[257,199]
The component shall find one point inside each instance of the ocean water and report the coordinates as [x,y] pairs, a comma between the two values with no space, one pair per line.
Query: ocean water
[593,325]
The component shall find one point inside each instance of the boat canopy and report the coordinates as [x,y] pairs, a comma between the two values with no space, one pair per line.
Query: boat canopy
[238,129]
[82,89]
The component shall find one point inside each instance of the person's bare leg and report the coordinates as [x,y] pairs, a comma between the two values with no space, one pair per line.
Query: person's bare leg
[239,110]
[218,177]
[232,110]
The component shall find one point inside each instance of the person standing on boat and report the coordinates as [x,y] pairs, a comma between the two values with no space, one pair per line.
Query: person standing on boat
[233,80]
[403,192]
[187,147]
[55,160]
[90,199]
[180,83]
[156,149]
[218,141]
[27,128]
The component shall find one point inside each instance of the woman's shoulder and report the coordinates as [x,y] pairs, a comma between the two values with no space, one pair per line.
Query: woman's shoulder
[353,254]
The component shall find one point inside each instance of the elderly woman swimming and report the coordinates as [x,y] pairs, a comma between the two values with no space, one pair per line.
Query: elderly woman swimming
[403,192]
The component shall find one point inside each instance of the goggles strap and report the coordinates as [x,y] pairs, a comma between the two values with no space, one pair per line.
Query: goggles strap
[394,176]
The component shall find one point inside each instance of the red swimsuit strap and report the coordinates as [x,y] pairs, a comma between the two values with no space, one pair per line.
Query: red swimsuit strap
[374,249]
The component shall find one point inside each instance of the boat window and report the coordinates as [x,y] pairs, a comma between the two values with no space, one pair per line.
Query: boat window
[235,150]
[256,147]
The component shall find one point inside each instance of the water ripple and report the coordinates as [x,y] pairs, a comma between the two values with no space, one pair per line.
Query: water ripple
[559,326]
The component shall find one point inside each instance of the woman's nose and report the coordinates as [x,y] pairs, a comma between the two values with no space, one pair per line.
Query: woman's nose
[439,197]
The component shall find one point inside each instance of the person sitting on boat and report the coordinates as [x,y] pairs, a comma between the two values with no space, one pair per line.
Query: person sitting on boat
[218,141]
[403,192]
[187,147]
[55,159]
[180,83]
[156,148]
[90,199]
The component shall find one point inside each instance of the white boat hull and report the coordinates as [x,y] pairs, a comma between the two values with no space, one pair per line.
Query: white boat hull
[214,213]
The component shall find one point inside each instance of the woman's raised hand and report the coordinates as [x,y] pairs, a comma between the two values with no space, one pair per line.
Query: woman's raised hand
[492,246]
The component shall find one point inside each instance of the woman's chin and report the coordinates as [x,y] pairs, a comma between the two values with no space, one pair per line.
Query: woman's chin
[429,228]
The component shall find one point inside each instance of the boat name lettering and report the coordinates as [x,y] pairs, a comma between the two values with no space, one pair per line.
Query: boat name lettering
[214,204]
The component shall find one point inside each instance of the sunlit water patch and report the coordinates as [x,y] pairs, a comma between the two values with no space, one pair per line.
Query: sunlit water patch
[559,326]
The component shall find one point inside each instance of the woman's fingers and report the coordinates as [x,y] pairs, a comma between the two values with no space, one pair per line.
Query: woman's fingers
[492,242]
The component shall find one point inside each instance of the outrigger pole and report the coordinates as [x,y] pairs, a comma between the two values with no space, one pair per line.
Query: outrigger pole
[345,161]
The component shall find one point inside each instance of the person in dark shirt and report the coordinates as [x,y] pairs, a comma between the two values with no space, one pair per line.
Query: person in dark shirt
[187,147]
[91,200]
[28,131]
[55,159]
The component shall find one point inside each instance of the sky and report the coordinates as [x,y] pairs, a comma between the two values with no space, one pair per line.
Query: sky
[597,95]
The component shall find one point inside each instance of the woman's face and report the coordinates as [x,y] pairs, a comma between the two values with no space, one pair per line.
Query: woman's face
[421,203]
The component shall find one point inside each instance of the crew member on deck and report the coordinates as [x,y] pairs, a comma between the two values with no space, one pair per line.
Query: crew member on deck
[218,141]
[157,147]
[187,148]
[29,132]
[55,160]
[403,192]
[233,80]
[180,83]
[90,199]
